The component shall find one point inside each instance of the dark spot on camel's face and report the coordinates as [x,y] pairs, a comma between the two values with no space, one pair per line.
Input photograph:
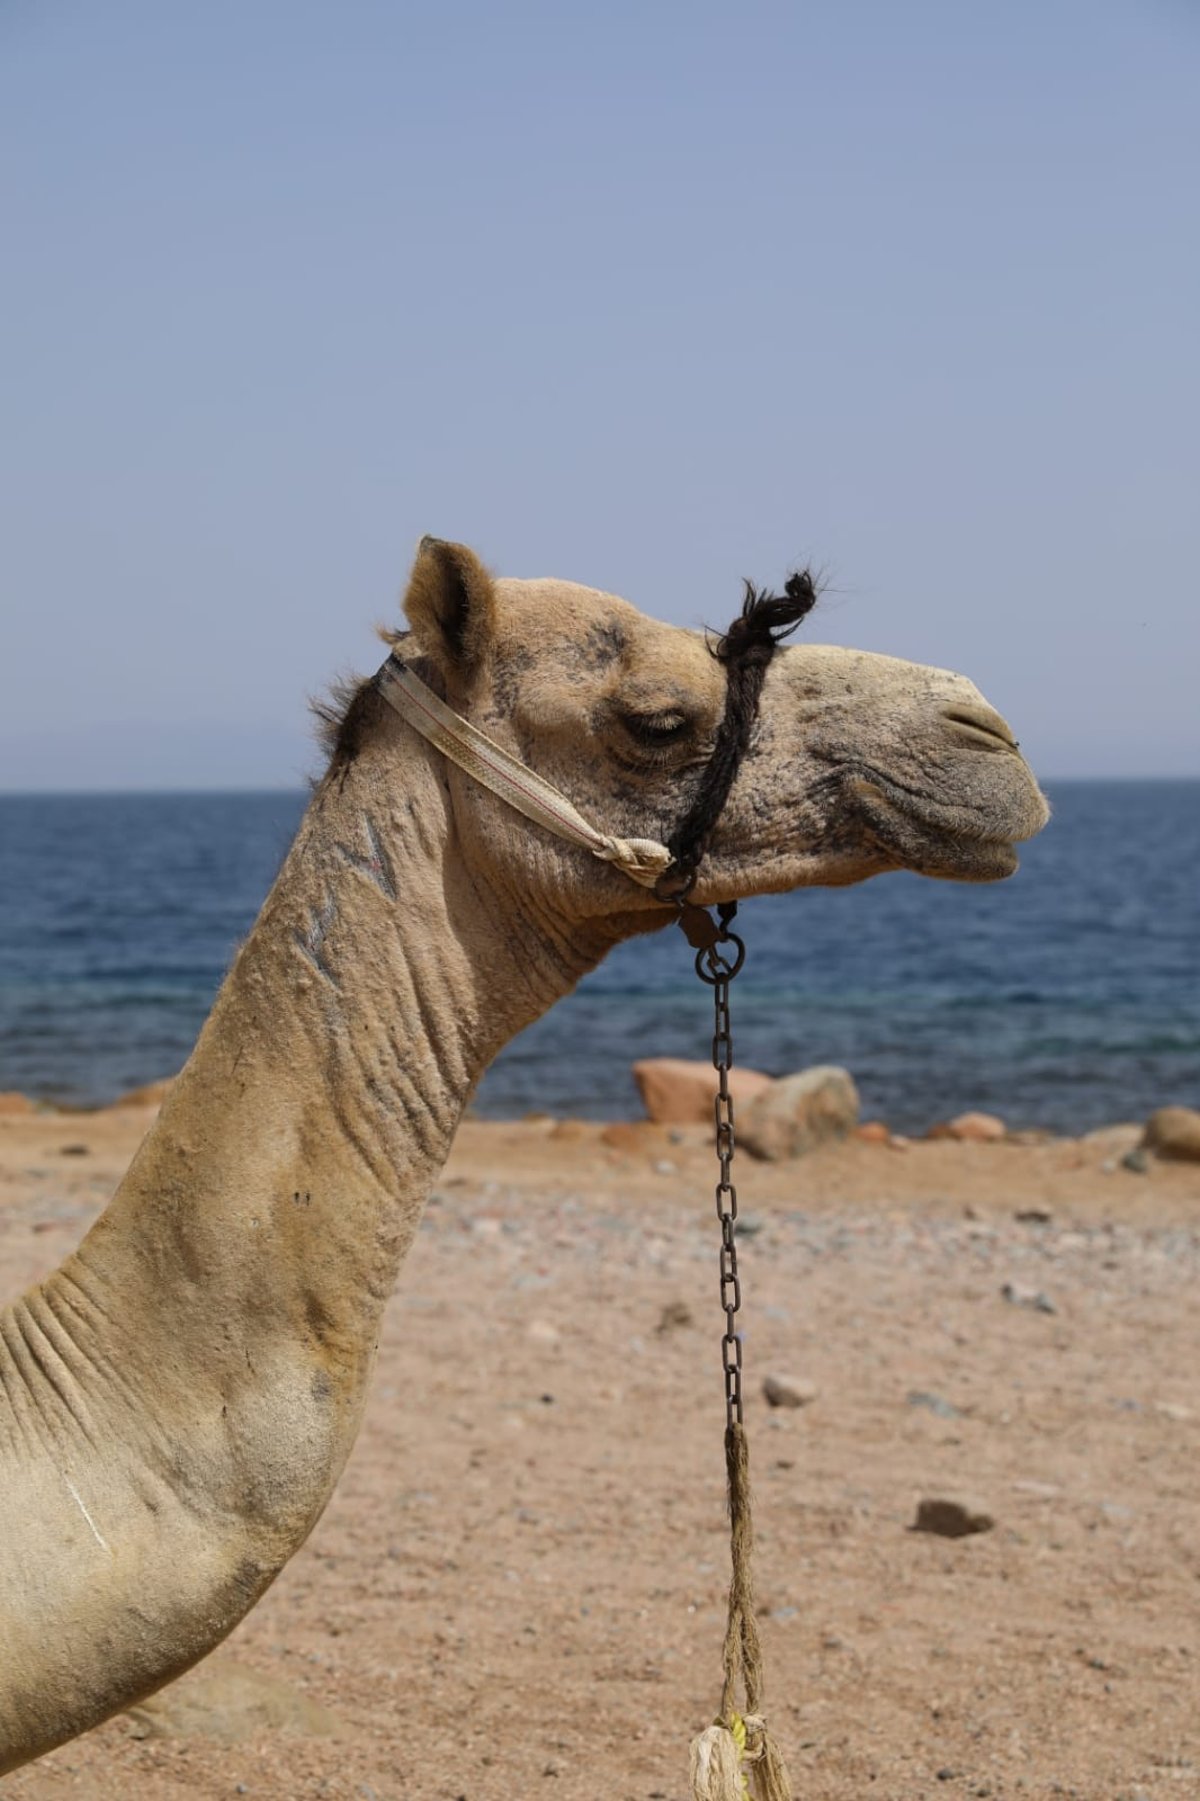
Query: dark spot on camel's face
[605,642]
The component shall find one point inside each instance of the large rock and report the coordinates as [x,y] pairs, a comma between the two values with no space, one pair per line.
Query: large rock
[1173,1133]
[229,1702]
[676,1092]
[798,1113]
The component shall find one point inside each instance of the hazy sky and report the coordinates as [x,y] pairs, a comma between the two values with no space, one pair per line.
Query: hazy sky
[651,296]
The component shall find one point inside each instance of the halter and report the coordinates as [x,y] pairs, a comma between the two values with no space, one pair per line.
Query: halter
[670,869]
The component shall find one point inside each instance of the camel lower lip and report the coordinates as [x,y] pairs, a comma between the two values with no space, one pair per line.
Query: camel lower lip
[932,847]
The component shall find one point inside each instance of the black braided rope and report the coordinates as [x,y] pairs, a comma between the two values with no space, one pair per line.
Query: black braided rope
[746,650]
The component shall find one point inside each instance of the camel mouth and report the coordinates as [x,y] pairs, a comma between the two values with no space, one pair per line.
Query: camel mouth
[970,841]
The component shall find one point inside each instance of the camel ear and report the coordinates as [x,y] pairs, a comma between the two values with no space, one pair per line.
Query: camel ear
[450,602]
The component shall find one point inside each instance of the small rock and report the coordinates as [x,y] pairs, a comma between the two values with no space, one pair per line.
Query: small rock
[789,1391]
[1173,1410]
[72,1150]
[1033,1216]
[674,1315]
[950,1518]
[1019,1296]
[570,1131]
[152,1094]
[971,1128]
[945,1410]
[1112,1141]
[664,1167]
[1136,1160]
[542,1332]
[677,1092]
[873,1131]
[796,1114]
[632,1137]
[749,1225]
[13,1102]
[1173,1133]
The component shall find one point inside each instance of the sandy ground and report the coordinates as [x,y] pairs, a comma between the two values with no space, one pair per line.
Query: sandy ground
[517,1590]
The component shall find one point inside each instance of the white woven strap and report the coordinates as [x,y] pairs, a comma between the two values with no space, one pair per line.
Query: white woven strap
[464,744]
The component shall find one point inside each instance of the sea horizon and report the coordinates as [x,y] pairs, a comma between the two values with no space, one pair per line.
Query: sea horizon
[304,786]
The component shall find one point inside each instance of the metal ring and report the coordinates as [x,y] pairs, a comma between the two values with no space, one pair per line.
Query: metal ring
[718,970]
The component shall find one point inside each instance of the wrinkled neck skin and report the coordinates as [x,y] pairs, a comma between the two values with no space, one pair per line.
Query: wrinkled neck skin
[178,1399]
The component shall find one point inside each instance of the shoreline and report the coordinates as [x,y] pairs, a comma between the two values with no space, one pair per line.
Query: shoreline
[15,1103]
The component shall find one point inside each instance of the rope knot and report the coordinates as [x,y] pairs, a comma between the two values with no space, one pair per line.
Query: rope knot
[766,620]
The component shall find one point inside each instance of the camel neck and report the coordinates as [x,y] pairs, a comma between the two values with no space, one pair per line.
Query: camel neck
[178,1399]
[299,1144]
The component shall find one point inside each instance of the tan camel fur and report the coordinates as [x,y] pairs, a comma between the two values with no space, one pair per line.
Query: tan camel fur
[178,1399]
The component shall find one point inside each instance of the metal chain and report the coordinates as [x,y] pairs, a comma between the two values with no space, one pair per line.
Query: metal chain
[717,963]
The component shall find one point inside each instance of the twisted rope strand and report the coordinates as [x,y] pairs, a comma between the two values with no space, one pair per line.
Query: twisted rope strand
[746,650]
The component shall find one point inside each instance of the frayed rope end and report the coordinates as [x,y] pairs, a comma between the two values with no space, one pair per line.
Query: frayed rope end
[716,1767]
[737,1762]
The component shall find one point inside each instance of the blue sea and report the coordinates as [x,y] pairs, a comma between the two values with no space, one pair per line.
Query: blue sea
[1064,998]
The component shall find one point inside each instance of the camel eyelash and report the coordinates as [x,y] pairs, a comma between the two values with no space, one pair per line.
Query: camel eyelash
[656,728]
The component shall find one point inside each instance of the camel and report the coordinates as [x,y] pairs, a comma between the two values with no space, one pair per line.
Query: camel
[178,1398]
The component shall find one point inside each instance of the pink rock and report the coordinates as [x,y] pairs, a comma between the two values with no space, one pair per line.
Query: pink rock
[873,1131]
[676,1092]
[971,1128]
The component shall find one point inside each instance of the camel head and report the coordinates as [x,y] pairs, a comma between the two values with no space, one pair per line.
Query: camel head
[858,763]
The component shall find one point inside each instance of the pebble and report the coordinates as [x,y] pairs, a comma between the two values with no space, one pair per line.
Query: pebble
[1136,1160]
[1019,1296]
[674,1315]
[789,1391]
[950,1518]
[945,1410]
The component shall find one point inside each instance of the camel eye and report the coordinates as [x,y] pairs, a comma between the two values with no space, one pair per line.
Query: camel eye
[656,728]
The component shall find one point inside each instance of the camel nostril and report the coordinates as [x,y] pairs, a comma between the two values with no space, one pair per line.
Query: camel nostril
[982,721]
